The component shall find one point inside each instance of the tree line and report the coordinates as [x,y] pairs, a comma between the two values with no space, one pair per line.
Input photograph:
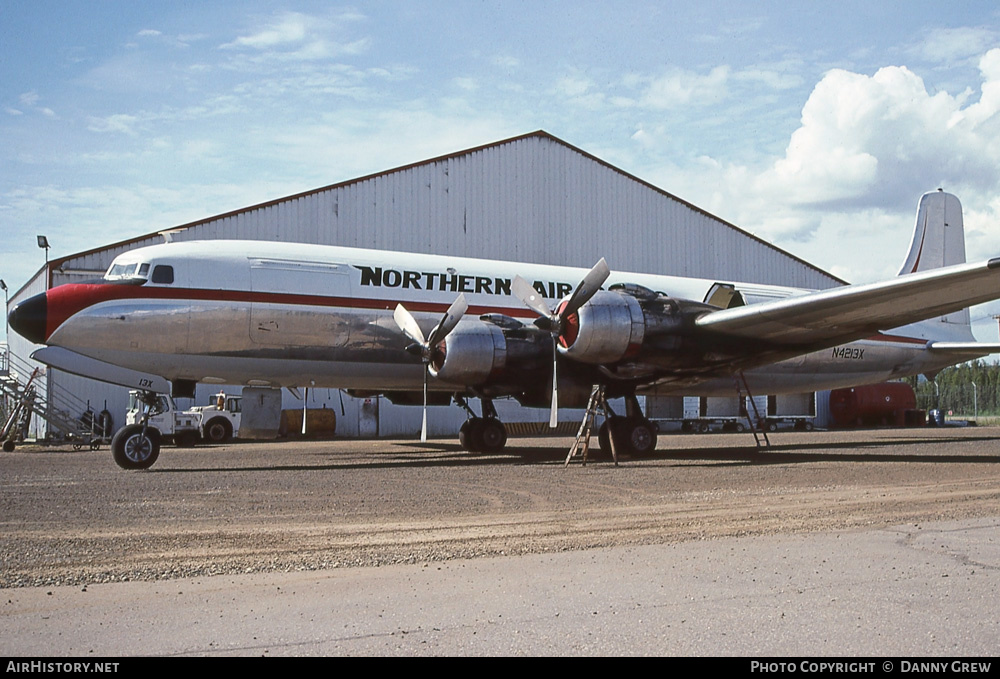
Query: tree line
[953,390]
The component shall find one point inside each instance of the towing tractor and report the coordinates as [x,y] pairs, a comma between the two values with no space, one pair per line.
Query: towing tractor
[155,416]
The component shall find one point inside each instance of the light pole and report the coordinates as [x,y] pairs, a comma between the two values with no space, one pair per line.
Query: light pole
[6,303]
[43,243]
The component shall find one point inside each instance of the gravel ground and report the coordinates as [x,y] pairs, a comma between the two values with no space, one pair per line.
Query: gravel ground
[75,518]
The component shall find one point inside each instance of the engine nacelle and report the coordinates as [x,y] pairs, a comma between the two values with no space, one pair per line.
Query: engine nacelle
[470,354]
[608,328]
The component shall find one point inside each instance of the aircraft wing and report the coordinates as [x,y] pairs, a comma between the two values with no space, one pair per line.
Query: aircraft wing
[856,311]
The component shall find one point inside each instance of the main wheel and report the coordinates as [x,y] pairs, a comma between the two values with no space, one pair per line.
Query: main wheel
[218,430]
[604,438]
[637,435]
[467,434]
[491,435]
[132,450]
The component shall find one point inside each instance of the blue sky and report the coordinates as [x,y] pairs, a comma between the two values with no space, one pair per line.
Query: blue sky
[816,127]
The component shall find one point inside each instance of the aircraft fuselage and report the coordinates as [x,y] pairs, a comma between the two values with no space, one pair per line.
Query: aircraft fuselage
[291,315]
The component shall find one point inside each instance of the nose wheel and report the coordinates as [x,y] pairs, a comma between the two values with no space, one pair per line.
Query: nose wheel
[136,447]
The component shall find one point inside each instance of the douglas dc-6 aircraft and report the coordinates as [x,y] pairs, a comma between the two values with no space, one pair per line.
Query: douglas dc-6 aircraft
[428,328]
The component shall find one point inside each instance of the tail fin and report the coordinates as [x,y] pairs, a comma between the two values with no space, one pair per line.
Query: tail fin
[938,240]
[939,236]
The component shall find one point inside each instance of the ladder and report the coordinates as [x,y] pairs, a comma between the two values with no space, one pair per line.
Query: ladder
[758,433]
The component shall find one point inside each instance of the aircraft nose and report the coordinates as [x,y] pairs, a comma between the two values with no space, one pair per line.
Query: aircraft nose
[29,318]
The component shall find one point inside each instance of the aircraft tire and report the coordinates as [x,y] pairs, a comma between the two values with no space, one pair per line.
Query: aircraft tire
[131,450]
[491,435]
[8,446]
[604,438]
[467,434]
[218,430]
[637,434]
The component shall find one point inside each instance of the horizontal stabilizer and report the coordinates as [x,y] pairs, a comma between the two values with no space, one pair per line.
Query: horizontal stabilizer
[978,348]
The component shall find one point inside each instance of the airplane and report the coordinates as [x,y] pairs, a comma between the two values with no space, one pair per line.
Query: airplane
[423,328]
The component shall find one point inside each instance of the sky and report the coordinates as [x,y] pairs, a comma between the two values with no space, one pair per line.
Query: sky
[815,126]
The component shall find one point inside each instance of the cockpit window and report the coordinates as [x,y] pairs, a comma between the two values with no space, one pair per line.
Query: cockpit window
[163,273]
[121,270]
[144,269]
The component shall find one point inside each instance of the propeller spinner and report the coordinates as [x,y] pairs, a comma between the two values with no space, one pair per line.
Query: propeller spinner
[554,321]
[408,324]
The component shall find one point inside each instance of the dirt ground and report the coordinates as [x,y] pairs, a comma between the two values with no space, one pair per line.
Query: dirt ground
[71,517]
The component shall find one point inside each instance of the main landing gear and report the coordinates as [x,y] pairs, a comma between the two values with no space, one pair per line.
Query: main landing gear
[633,433]
[630,434]
[486,434]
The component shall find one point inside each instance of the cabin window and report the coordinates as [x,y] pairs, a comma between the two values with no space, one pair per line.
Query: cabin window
[163,273]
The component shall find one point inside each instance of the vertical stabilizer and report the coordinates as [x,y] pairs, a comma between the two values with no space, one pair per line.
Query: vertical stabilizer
[938,240]
[939,235]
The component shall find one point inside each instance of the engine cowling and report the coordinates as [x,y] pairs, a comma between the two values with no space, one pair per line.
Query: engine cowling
[470,354]
[607,329]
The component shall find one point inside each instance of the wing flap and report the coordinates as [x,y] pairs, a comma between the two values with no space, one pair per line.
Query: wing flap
[857,311]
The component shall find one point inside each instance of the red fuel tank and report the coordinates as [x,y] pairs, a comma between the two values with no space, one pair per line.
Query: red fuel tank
[872,404]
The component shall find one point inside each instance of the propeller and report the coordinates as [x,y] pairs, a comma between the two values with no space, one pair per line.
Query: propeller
[408,324]
[554,320]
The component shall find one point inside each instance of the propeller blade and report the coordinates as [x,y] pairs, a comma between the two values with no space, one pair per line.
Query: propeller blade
[524,291]
[448,322]
[408,324]
[554,408]
[305,401]
[423,425]
[590,284]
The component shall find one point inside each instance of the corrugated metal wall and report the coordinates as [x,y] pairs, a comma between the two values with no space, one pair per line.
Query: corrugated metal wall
[533,198]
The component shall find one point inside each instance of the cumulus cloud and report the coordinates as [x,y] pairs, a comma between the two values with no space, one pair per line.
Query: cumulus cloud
[843,193]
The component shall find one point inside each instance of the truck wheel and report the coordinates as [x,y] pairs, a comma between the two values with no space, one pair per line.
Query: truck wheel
[218,430]
[132,450]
